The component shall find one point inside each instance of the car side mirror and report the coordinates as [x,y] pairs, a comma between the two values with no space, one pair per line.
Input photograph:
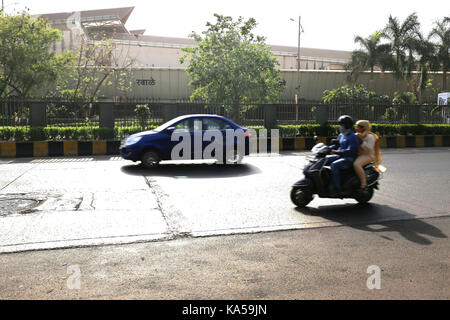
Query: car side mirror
[170,130]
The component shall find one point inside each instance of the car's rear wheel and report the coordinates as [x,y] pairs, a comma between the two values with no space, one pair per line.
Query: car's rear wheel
[150,159]
[234,156]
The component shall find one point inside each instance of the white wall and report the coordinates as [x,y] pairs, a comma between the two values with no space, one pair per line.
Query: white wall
[173,83]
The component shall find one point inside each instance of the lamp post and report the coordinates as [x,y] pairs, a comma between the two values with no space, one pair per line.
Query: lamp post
[297,95]
[300,30]
[3,5]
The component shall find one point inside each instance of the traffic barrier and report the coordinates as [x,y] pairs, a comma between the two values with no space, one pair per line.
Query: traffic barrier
[88,148]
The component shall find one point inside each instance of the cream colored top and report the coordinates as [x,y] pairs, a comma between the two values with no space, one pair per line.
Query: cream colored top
[367,146]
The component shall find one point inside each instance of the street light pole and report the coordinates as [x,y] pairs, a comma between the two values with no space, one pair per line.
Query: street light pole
[297,95]
[298,46]
[300,30]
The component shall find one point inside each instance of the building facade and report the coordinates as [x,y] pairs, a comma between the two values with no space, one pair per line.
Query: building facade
[148,51]
[158,73]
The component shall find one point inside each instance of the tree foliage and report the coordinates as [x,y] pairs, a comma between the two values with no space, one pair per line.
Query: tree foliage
[93,65]
[401,36]
[231,65]
[354,94]
[25,59]
[373,54]
[407,52]
[441,34]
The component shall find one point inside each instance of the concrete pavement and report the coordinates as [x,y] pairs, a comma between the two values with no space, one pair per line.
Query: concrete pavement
[320,263]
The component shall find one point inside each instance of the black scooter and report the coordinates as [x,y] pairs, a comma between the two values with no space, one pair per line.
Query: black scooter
[318,177]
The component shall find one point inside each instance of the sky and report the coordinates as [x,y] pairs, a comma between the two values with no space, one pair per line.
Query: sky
[327,24]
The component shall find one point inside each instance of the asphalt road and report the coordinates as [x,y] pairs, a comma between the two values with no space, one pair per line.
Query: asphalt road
[66,202]
[91,201]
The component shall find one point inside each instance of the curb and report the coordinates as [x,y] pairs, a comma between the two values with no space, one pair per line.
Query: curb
[58,148]
[97,148]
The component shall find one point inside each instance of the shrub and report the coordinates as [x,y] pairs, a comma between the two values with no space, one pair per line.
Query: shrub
[143,114]
[307,130]
[355,94]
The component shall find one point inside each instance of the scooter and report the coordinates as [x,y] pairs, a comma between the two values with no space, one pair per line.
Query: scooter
[318,177]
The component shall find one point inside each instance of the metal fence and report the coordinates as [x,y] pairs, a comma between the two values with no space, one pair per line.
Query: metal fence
[16,112]
[387,113]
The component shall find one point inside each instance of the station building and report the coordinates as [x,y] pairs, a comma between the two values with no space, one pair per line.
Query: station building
[151,51]
[158,73]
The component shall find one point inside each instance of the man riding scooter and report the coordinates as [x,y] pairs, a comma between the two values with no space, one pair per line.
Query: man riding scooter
[344,154]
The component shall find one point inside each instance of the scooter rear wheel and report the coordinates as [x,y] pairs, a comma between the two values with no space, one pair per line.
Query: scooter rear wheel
[301,197]
[364,197]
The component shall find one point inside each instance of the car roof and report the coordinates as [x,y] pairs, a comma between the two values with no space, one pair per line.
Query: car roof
[201,115]
[187,116]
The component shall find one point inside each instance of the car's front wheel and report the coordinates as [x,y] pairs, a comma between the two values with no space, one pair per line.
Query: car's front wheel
[150,159]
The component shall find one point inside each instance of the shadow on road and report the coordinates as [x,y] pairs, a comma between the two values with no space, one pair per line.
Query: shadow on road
[193,170]
[367,217]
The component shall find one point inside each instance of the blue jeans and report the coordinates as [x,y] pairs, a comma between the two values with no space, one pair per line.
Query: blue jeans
[338,163]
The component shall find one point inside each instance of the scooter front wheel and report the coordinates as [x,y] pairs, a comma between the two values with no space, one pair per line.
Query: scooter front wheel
[301,197]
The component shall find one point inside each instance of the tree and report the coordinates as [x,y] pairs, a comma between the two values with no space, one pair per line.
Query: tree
[25,59]
[441,32]
[400,36]
[373,54]
[232,66]
[426,62]
[94,65]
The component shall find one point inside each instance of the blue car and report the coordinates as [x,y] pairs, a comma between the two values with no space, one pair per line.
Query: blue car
[151,147]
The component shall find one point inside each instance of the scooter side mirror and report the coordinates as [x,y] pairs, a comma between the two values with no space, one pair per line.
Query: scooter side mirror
[315,139]
[335,142]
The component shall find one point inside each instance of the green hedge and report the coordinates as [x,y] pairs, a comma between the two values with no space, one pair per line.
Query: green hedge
[118,133]
[380,129]
[65,133]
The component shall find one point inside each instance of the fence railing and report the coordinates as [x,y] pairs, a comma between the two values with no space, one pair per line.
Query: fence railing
[16,112]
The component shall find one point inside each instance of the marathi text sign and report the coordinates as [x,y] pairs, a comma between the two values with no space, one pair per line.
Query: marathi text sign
[146,82]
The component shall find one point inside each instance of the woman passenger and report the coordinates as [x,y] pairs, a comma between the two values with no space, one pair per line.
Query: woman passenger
[368,150]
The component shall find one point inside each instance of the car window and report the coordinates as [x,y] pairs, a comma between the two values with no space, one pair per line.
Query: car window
[215,124]
[185,125]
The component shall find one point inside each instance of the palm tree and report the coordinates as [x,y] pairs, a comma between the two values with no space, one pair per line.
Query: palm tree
[400,36]
[372,54]
[427,61]
[441,31]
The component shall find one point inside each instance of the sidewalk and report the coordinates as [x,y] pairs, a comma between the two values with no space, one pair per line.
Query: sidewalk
[324,263]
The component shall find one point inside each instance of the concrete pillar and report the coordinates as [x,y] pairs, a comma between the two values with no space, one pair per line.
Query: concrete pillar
[169,112]
[38,114]
[414,114]
[321,114]
[106,114]
[270,116]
